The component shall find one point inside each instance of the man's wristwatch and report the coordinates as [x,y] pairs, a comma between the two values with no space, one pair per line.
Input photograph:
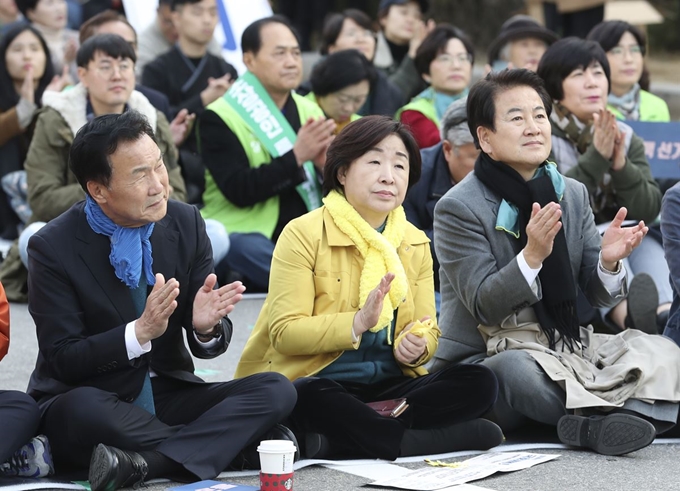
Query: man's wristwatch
[214,333]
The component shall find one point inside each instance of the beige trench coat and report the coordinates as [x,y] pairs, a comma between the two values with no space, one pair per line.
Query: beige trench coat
[607,371]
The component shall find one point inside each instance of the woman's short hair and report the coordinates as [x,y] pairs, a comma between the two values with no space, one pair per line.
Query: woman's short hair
[332,26]
[110,44]
[435,43]
[565,56]
[481,102]
[98,140]
[8,95]
[340,70]
[608,34]
[357,139]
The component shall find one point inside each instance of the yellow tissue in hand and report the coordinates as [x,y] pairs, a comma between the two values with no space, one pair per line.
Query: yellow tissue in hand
[417,329]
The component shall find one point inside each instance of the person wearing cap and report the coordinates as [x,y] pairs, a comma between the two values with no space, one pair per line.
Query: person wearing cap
[625,46]
[340,84]
[402,31]
[520,44]
[444,165]
[353,29]
[444,60]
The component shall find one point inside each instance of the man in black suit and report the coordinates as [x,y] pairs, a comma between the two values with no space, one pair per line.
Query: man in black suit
[113,284]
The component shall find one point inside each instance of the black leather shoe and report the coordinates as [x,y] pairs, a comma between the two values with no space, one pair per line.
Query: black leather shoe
[249,458]
[111,469]
[616,434]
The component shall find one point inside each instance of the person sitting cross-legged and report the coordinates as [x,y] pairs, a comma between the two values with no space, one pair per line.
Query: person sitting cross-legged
[350,315]
[118,284]
[515,240]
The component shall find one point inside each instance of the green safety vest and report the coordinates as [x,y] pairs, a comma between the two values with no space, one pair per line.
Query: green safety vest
[652,108]
[261,217]
[423,106]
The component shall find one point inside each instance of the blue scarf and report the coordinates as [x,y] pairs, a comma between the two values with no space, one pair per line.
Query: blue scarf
[441,101]
[130,247]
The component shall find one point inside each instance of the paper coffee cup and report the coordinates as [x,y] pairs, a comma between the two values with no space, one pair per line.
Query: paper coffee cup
[276,456]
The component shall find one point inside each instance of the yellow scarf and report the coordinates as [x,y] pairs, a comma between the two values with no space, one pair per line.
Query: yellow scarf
[378,250]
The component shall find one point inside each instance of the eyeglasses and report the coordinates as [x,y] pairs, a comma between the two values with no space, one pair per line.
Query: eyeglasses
[447,59]
[634,50]
[124,68]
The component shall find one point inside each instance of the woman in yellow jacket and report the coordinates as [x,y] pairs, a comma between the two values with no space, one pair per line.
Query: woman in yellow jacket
[350,315]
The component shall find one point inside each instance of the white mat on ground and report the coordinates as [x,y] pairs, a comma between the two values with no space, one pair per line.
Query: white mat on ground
[359,467]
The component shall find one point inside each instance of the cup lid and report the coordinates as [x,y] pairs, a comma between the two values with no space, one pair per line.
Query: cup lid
[276,446]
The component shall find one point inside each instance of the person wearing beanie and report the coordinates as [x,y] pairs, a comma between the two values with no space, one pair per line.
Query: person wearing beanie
[520,44]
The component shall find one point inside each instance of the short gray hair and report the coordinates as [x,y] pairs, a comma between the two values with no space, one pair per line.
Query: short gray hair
[454,125]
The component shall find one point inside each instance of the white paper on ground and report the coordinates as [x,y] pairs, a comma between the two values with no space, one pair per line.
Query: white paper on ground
[465,487]
[376,471]
[513,447]
[42,485]
[438,478]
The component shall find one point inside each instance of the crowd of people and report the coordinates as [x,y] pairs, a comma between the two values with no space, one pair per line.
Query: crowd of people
[426,242]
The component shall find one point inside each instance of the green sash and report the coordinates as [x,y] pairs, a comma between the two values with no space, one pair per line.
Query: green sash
[253,104]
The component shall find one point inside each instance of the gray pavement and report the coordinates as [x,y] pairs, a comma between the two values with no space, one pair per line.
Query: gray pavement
[652,469]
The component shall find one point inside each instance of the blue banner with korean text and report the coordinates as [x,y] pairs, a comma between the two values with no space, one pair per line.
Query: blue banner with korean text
[662,147]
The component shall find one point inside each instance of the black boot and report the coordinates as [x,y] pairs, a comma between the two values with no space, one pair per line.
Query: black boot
[478,434]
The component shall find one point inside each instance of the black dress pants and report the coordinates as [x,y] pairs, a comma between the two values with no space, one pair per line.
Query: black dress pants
[338,411]
[203,427]
[19,420]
